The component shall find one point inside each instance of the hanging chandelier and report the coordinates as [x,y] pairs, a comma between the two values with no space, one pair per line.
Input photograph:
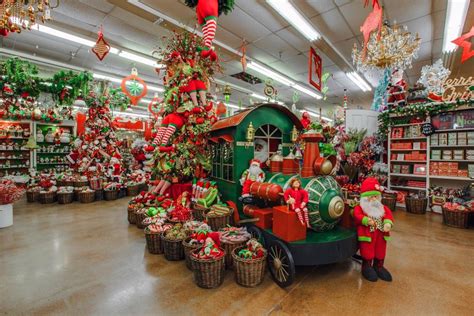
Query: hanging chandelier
[394,48]
[18,15]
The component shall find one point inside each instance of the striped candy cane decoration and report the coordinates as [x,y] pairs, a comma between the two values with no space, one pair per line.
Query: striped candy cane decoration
[169,131]
[209,31]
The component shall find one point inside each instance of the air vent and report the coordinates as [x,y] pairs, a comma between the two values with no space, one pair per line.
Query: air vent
[247,78]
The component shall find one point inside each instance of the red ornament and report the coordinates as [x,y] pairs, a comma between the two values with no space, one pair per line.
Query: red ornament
[221,109]
[464,41]
[153,106]
[134,87]
[371,23]
[101,48]
[315,67]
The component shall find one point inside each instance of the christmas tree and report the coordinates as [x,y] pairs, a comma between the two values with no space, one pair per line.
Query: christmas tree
[95,153]
[181,140]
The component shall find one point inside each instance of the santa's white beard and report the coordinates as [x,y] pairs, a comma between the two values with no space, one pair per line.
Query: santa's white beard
[373,209]
[255,170]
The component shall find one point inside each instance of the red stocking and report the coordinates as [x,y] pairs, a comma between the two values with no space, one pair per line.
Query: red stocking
[209,30]
[165,186]
[159,135]
[306,218]
[167,135]
[300,216]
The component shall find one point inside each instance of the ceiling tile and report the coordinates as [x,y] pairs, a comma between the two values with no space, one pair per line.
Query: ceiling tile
[332,25]
[292,66]
[277,47]
[266,15]
[423,26]
[260,55]
[294,38]
[101,5]
[320,6]
[355,14]
[401,11]
[244,25]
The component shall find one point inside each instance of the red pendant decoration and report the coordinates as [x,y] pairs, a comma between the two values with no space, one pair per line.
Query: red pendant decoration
[315,69]
[221,109]
[464,41]
[101,48]
[134,87]
[154,106]
[372,22]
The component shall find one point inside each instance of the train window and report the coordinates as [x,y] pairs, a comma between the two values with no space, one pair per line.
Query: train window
[223,161]
[267,139]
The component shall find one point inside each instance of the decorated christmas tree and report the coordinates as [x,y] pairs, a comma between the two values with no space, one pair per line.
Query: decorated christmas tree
[180,145]
[95,153]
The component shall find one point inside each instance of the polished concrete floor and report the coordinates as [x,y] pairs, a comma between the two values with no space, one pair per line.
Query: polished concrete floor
[86,259]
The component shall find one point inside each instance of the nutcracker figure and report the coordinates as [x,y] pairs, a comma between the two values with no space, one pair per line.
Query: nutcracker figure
[374,222]
[297,199]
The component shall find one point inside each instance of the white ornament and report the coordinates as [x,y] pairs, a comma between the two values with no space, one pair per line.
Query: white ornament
[433,76]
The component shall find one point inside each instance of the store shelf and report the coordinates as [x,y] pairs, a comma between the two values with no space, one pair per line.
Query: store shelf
[9,168]
[20,158]
[408,175]
[409,124]
[14,150]
[424,149]
[51,163]
[409,138]
[452,178]
[446,146]
[451,160]
[454,130]
[406,187]
[56,153]
[12,137]
[408,161]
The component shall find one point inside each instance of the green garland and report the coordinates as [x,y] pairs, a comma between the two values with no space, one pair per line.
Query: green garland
[415,110]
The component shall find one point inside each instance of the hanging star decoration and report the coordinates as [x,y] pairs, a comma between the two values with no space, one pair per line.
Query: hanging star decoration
[464,41]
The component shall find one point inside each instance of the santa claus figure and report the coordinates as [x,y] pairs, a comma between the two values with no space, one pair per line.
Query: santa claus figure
[253,174]
[305,119]
[297,199]
[115,169]
[397,93]
[374,222]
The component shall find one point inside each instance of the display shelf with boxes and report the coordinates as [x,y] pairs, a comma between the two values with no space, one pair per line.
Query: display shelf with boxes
[15,158]
[54,143]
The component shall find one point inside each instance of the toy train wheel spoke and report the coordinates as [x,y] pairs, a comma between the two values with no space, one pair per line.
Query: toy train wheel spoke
[280,263]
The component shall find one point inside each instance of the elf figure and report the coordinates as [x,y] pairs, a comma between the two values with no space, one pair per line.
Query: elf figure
[167,128]
[374,222]
[297,198]
[207,12]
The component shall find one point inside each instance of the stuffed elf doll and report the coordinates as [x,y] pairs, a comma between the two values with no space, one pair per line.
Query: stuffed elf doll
[207,12]
[297,198]
[374,222]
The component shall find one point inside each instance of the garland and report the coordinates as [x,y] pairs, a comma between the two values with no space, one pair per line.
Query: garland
[417,110]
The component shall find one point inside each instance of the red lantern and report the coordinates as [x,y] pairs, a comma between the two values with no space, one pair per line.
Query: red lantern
[221,109]
[134,87]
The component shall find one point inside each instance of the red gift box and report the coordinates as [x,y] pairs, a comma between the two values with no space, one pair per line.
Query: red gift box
[286,225]
[265,217]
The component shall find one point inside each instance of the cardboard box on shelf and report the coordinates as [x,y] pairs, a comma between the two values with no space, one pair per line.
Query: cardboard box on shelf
[396,168]
[452,138]
[405,169]
[462,135]
[462,141]
[443,142]
[463,173]
[447,155]
[401,157]
[434,139]
[416,145]
[443,136]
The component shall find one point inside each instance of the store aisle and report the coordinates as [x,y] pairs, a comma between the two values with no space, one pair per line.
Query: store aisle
[82,259]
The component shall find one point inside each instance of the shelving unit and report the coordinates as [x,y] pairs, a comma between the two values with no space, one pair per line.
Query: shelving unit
[14,158]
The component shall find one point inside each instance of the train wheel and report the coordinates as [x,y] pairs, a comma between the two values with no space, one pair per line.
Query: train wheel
[256,233]
[281,264]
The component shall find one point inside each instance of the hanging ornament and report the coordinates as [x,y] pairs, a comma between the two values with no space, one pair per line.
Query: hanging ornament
[134,87]
[464,41]
[243,59]
[101,47]
[432,78]
[221,109]
[325,88]
[154,106]
[270,90]
[296,98]
[227,93]
[372,22]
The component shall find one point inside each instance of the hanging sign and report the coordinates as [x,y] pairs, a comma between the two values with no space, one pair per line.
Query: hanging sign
[315,69]
[458,89]
[427,129]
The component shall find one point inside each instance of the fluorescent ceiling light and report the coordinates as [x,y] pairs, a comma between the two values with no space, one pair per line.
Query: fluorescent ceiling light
[455,17]
[307,91]
[234,106]
[354,76]
[140,59]
[258,96]
[118,80]
[269,73]
[316,115]
[157,89]
[295,18]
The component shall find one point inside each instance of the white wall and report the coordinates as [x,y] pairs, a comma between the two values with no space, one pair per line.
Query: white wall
[360,119]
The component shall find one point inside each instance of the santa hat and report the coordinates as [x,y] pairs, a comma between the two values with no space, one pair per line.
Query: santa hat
[255,161]
[117,155]
[370,187]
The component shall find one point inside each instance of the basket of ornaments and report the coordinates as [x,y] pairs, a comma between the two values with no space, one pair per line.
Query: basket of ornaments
[180,210]
[111,191]
[249,263]
[153,215]
[199,232]
[81,181]
[153,238]
[173,242]
[86,195]
[208,263]
[456,215]
[48,193]
[65,195]
[232,238]
[32,194]
[219,216]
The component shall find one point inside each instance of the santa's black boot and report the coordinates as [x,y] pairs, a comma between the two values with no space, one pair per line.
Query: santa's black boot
[382,273]
[368,271]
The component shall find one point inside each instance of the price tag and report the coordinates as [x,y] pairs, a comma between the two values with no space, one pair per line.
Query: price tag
[427,129]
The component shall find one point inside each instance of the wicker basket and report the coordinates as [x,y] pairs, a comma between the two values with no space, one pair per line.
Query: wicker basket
[416,205]
[32,196]
[229,248]
[142,187]
[249,272]
[458,219]
[79,184]
[199,212]
[133,190]
[86,197]
[173,249]
[65,197]
[139,217]
[47,198]
[188,247]
[218,222]
[110,195]
[122,192]
[99,195]
[131,216]
[154,243]
[208,273]
[60,183]
[390,202]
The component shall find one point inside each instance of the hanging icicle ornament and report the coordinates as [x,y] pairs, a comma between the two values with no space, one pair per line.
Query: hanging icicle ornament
[227,93]
[296,98]
[134,87]
[101,47]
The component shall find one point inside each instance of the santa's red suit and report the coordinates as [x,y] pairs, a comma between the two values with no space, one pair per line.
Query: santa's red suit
[373,222]
[253,174]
